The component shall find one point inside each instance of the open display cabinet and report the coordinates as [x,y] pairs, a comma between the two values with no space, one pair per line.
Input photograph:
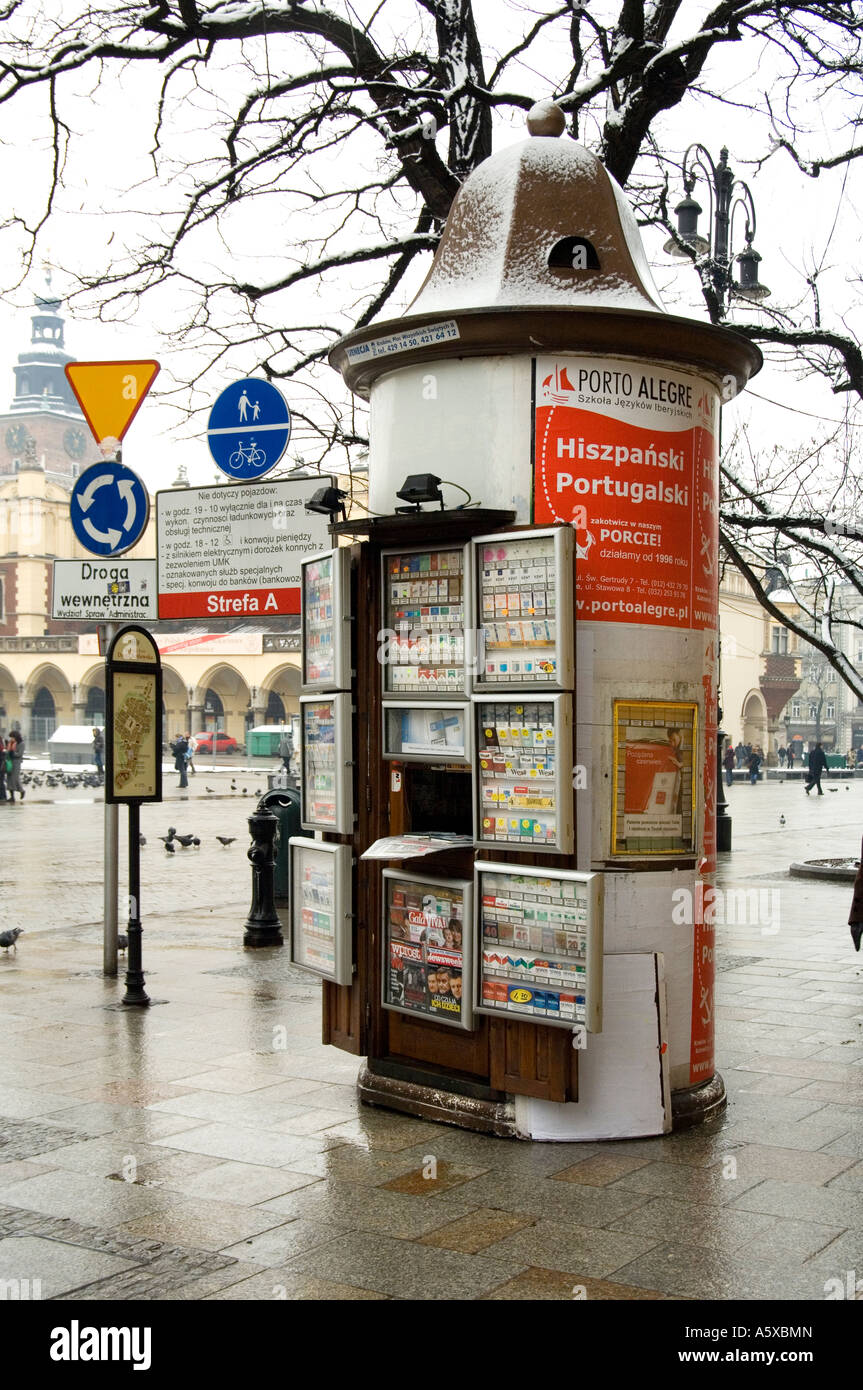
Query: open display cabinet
[427,733]
[523,773]
[326,645]
[539,944]
[321,909]
[427,947]
[424,609]
[326,765]
[522,583]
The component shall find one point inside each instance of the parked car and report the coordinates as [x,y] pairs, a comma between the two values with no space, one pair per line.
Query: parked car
[224,743]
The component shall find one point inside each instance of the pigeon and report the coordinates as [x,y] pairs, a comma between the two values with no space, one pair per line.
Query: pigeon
[781,820]
[169,845]
[233,786]
[209,789]
[122,942]
[142,840]
[8,938]
[226,840]
[245,791]
[185,840]
[833,789]
[196,842]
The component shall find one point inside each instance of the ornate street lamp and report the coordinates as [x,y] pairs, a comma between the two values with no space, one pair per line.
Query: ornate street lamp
[727,195]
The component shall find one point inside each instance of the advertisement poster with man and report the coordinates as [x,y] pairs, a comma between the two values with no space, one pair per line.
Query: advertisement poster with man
[654,760]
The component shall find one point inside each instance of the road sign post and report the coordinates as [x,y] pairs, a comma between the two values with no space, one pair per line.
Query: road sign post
[248,429]
[133,764]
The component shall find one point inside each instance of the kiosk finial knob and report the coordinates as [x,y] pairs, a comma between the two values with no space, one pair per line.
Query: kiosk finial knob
[546,118]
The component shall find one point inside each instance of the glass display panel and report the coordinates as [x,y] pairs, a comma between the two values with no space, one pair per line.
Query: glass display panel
[422,644]
[320,922]
[523,770]
[518,603]
[430,733]
[426,939]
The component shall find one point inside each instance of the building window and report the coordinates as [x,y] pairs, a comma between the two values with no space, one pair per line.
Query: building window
[859,657]
[830,711]
[779,639]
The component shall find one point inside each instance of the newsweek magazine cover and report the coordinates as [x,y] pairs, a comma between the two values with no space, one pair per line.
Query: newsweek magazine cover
[444,982]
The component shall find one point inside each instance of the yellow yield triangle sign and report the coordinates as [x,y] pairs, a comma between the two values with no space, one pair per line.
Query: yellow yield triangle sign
[110,393]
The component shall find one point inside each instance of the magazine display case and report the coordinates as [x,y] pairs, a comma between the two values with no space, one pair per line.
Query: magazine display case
[326,593]
[427,956]
[523,609]
[427,733]
[321,907]
[539,945]
[424,612]
[326,763]
[523,773]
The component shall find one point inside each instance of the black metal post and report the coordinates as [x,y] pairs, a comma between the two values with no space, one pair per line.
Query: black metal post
[263,927]
[135,992]
[723,819]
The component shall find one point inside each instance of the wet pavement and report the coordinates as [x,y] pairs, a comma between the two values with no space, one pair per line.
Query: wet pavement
[212,1148]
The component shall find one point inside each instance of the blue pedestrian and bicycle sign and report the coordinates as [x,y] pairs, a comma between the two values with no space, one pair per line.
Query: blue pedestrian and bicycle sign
[109,508]
[249,428]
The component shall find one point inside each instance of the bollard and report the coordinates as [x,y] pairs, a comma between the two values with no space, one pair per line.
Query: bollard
[263,927]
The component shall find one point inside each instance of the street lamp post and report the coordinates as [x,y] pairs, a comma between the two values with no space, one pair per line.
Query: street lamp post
[727,194]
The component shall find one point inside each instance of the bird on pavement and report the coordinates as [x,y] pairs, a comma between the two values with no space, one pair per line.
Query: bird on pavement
[185,840]
[8,938]
[122,942]
[233,786]
[781,820]
[833,789]
[226,840]
[169,845]
[142,840]
[209,789]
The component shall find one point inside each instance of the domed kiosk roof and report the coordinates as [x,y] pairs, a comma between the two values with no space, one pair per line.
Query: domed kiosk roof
[540,253]
[540,223]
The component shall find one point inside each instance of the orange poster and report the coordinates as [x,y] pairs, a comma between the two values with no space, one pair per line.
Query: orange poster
[627,453]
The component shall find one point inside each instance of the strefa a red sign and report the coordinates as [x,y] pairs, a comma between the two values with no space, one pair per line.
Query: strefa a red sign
[626,452]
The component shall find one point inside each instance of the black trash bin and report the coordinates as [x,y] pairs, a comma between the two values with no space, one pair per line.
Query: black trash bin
[285,806]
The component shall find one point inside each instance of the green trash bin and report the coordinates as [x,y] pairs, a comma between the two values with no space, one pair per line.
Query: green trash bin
[285,806]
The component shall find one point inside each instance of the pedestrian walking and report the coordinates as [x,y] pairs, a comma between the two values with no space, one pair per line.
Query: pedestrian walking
[780,753]
[740,754]
[180,748]
[754,765]
[791,755]
[14,756]
[817,765]
[728,762]
[855,918]
[286,748]
[99,753]
[193,748]
[3,796]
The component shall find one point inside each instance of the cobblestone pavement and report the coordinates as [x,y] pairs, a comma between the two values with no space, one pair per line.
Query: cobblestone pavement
[211,1148]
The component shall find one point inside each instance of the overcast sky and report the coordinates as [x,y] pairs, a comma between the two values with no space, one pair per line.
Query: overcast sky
[802,225]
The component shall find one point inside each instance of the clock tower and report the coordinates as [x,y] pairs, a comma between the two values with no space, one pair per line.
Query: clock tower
[44,428]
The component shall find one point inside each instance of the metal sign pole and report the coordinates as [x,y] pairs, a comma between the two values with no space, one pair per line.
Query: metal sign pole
[111,869]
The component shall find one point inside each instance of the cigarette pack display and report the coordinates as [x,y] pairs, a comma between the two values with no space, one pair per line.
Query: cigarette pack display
[539,944]
[422,646]
[326,621]
[321,923]
[325,763]
[523,773]
[426,733]
[427,954]
[523,611]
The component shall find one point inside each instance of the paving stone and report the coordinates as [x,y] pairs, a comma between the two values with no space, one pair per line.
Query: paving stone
[552,1285]
[404,1269]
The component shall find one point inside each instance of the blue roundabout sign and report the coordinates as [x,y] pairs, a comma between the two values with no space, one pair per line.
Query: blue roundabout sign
[109,508]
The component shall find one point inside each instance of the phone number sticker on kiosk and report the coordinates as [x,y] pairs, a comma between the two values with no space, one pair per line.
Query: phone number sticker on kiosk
[228,552]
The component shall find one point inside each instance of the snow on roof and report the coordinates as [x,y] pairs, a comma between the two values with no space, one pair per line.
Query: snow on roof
[507,217]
